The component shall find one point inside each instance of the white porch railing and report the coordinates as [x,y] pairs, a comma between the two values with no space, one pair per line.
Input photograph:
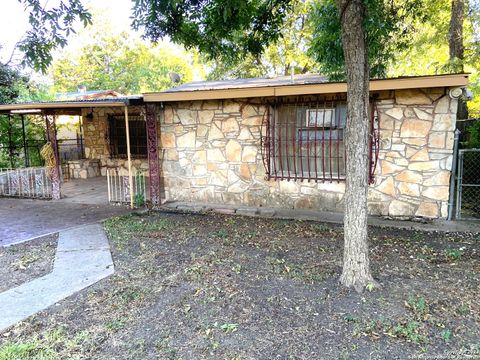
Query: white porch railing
[119,188]
[32,182]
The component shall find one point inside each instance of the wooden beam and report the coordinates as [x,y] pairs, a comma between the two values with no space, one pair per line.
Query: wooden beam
[59,105]
[129,158]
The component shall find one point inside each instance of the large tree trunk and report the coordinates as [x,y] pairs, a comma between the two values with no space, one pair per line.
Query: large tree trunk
[456,49]
[356,264]
[455,33]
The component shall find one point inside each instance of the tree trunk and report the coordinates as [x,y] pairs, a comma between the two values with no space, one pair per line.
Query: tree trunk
[455,33]
[456,49]
[356,264]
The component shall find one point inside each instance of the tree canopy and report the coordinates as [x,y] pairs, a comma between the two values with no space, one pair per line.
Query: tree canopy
[388,28]
[50,28]
[223,30]
[118,62]
[287,53]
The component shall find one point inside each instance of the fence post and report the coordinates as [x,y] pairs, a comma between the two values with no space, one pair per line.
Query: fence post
[451,198]
[459,186]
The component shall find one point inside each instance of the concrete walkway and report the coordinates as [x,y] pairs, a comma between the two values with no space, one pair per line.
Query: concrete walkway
[26,219]
[82,259]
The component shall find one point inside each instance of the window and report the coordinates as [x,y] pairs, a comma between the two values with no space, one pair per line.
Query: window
[118,139]
[305,141]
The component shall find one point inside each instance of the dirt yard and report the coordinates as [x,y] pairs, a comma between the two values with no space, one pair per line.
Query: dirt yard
[23,262]
[223,287]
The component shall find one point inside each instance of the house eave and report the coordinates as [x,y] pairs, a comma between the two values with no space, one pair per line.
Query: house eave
[59,107]
[432,81]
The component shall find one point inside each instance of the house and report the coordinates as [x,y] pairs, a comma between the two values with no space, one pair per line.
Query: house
[278,142]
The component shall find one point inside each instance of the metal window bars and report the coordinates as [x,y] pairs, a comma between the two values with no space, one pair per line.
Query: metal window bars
[303,139]
[117,139]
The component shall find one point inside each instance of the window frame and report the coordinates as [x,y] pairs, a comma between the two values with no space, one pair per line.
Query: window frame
[138,143]
[328,142]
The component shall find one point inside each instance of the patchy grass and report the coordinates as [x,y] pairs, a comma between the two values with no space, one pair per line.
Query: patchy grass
[225,287]
[26,261]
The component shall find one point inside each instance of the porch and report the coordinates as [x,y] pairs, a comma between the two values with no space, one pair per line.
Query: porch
[115,165]
[91,191]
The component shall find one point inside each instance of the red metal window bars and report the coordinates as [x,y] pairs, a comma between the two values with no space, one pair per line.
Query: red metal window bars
[303,139]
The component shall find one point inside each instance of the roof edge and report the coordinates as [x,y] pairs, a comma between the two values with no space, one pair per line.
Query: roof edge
[65,104]
[403,83]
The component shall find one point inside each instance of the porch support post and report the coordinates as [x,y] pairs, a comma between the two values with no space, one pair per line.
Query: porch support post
[129,158]
[10,142]
[55,170]
[25,149]
[152,147]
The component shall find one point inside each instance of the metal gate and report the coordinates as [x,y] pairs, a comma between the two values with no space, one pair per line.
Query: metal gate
[468,184]
[31,183]
[119,188]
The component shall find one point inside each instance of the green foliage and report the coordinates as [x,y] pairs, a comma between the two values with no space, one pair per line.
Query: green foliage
[121,229]
[15,86]
[453,254]
[221,233]
[12,84]
[27,350]
[428,52]
[474,135]
[139,200]
[229,328]
[387,26]
[408,330]
[11,140]
[115,325]
[446,335]
[119,63]
[50,27]
[286,54]
[225,30]
[419,307]
[321,228]
[45,346]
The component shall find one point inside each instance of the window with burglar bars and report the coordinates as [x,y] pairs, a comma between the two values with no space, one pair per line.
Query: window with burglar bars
[305,141]
[118,138]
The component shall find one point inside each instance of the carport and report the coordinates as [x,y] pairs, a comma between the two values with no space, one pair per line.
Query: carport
[26,181]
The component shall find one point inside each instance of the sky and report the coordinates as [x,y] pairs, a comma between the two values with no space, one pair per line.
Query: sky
[14,20]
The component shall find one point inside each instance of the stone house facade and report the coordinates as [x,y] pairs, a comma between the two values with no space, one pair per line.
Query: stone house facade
[211,150]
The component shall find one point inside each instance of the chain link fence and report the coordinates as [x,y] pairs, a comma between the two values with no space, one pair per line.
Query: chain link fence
[468,184]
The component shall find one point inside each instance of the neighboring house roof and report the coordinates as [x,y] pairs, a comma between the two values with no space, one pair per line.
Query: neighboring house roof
[89,94]
[301,85]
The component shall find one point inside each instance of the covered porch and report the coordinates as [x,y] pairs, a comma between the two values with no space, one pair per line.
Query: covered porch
[119,164]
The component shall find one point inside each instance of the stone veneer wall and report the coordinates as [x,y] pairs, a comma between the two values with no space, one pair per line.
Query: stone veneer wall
[415,160]
[210,152]
[96,140]
[84,168]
